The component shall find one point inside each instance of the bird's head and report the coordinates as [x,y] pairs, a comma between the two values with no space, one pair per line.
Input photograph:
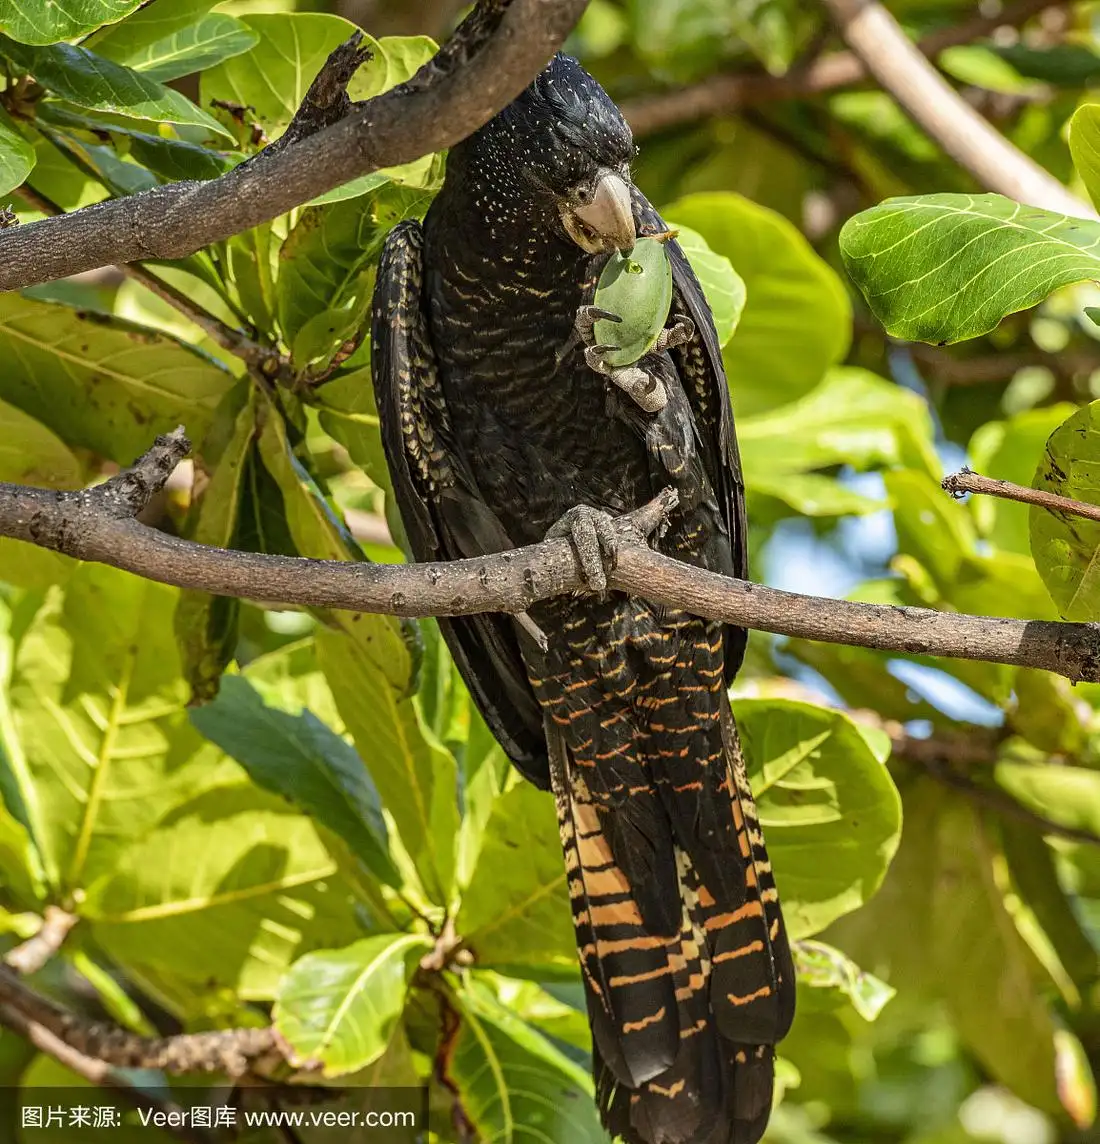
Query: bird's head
[561,153]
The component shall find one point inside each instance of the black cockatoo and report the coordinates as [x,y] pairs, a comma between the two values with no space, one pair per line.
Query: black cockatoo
[502,424]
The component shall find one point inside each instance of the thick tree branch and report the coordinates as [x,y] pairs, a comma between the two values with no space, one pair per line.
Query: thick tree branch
[725,94]
[97,524]
[494,54]
[892,58]
[967,481]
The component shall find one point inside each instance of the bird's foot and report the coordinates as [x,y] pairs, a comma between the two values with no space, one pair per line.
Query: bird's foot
[645,390]
[682,330]
[595,541]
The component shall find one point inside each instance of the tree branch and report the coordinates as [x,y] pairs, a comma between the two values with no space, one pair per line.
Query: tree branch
[967,481]
[892,58]
[98,524]
[725,94]
[492,56]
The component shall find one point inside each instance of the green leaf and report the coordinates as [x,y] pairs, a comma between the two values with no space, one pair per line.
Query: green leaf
[515,912]
[1009,451]
[939,931]
[298,757]
[1065,546]
[723,286]
[415,774]
[31,455]
[98,702]
[854,417]
[1069,796]
[251,274]
[512,1086]
[349,415]
[327,268]
[45,22]
[824,969]
[273,77]
[339,1007]
[16,155]
[830,813]
[196,47]
[88,80]
[224,895]
[102,383]
[205,624]
[944,268]
[797,318]
[149,25]
[1084,146]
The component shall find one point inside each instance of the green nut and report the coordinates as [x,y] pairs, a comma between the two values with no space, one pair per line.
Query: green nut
[638,288]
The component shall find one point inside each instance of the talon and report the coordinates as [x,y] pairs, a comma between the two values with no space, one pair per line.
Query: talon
[644,389]
[593,357]
[587,317]
[595,542]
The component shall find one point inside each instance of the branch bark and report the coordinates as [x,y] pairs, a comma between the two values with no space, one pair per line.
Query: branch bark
[32,955]
[967,481]
[930,101]
[493,55]
[725,94]
[98,524]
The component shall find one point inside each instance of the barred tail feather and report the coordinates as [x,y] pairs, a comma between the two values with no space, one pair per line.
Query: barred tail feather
[686,1003]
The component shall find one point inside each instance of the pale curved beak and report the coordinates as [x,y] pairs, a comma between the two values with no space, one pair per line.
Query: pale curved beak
[607,222]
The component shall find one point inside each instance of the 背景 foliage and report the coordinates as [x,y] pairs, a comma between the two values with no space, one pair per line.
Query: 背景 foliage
[262,816]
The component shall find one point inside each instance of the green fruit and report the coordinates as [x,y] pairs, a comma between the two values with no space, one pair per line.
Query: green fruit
[639,289]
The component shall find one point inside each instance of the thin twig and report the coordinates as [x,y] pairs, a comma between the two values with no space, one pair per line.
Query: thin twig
[97,524]
[891,57]
[264,358]
[30,956]
[725,94]
[967,481]
[490,59]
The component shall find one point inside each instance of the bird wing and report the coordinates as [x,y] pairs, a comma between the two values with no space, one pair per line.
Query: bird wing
[703,376]
[445,517]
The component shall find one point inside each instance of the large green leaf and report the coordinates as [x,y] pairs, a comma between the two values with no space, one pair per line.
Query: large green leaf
[194,47]
[224,895]
[1064,546]
[16,155]
[338,1007]
[415,774]
[723,286]
[939,931]
[943,268]
[45,21]
[1069,796]
[98,700]
[151,24]
[31,455]
[88,80]
[1010,450]
[512,1085]
[830,813]
[273,77]
[797,318]
[515,912]
[1084,146]
[100,382]
[298,757]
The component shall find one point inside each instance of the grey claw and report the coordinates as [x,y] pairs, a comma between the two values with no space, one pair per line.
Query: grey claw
[593,356]
[677,334]
[587,317]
